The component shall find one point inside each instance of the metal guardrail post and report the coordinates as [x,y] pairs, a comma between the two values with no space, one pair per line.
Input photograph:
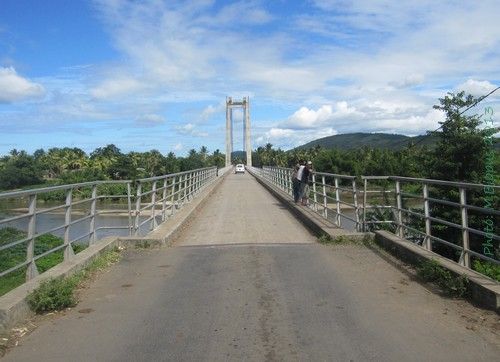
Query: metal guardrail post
[153,207]
[172,196]
[356,207]
[399,207]
[68,249]
[365,188]
[465,256]
[164,200]
[129,207]
[281,184]
[185,189]
[93,208]
[325,200]
[427,241]
[337,200]
[315,197]
[32,270]
[138,208]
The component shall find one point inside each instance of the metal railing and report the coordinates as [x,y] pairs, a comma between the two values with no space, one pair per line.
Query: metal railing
[159,197]
[332,196]
[411,215]
[79,212]
[415,210]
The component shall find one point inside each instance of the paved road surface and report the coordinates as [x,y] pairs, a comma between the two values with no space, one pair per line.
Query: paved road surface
[256,288]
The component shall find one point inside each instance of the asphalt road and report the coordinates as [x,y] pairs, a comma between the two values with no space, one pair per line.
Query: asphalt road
[247,283]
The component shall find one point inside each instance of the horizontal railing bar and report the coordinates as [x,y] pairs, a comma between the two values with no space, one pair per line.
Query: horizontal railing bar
[442,202]
[41,190]
[49,209]
[53,250]
[175,174]
[81,237]
[440,182]
[14,243]
[14,218]
[146,221]
[112,228]
[378,207]
[76,221]
[13,269]
[103,197]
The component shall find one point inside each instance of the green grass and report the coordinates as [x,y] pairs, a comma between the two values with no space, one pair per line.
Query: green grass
[59,293]
[17,254]
[432,271]
[489,269]
[343,239]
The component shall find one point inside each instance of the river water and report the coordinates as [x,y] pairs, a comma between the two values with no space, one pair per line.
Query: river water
[119,221]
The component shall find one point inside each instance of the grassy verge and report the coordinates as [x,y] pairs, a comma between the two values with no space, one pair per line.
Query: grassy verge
[432,271]
[489,269]
[59,293]
[17,254]
[343,239]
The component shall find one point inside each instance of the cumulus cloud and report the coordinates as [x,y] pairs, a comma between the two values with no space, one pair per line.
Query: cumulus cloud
[476,88]
[290,138]
[190,129]
[150,120]
[308,118]
[210,110]
[14,88]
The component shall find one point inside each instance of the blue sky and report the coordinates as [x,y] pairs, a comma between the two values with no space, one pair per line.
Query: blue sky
[154,74]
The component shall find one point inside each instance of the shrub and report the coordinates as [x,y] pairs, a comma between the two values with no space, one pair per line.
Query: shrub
[432,271]
[489,269]
[59,293]
[53,294]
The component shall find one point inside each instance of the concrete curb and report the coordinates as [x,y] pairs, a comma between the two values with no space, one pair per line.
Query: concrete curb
[13,306]
[314,222]
[484,291]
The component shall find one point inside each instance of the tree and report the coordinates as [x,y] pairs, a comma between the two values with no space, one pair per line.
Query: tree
[459,156]
[461,151]
[18,170]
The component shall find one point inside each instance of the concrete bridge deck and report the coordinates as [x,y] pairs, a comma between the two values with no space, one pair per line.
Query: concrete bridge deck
[247,282]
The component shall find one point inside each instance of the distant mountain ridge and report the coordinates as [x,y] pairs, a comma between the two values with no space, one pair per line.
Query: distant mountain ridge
[372,140]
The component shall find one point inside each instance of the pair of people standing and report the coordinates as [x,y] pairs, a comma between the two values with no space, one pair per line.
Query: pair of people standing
[300,182]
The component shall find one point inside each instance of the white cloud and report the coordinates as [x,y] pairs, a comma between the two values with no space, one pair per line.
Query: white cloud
[211,110]
[238,13]
[15,88]
[290,138]
[410,81]
[116,87]
[326,114]
[476,88]
[190,129]
[150,120]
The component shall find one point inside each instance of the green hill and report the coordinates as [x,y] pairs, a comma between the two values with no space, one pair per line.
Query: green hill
[373,140]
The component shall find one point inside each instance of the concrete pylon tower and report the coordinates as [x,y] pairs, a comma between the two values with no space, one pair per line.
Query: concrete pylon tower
[229,131]
[245,104]
[248,145]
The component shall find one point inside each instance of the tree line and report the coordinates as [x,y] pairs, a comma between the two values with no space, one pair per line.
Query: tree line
[72,165]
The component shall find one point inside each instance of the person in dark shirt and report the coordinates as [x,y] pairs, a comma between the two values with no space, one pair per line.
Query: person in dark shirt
[304,183]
